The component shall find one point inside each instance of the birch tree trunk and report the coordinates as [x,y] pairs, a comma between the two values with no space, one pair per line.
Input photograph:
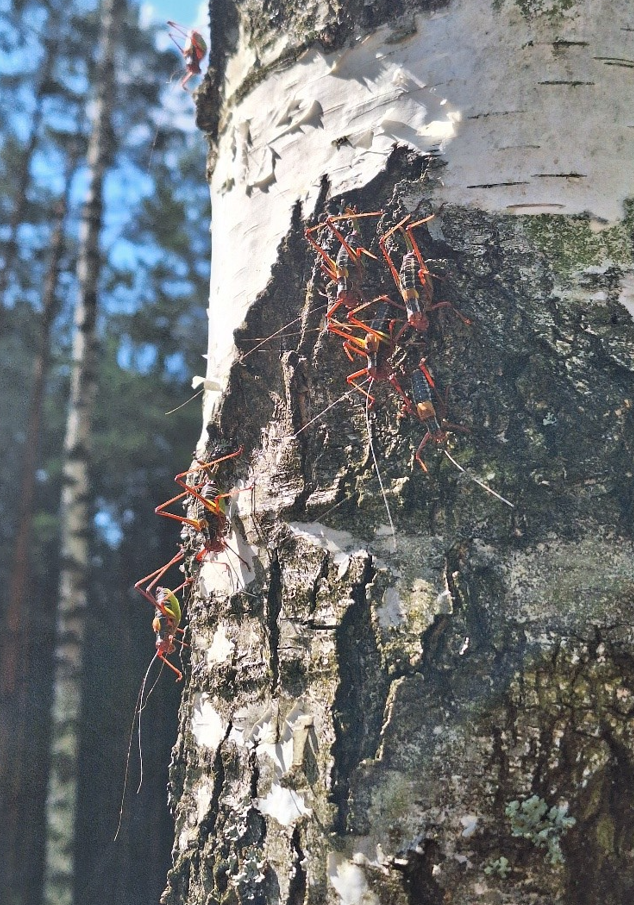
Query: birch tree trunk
[444,715]
[75,502]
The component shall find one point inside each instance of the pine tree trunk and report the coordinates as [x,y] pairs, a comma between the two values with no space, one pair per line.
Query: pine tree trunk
[442,714]
[75,509]
[18,775]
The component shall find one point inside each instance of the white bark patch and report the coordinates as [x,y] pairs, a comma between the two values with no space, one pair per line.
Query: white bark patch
[285,805]
[391,611]
[286,749]
[202,799]
[249,724]
[279,747]
[349,882]
[279,750]
[229,571]
[338,543]
[626,296]
[469,823]
[221,647]
[207,726]
[531,117]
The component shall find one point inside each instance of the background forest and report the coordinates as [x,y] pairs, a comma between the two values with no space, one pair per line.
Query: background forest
[150,324]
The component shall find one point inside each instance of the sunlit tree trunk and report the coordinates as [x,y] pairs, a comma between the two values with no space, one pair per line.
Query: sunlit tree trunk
[18,774]
[75,511]
[432,705]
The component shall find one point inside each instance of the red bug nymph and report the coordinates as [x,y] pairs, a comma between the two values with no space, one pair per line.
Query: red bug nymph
[193,50]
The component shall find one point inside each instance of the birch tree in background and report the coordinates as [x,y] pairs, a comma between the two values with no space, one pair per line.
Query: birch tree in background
[75,513]
[434,705]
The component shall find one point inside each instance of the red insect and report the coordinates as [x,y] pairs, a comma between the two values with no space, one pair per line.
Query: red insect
[414,279]
[211,521]
[422,407]
[192,51]
[167,617]
[377,346]
[347,268]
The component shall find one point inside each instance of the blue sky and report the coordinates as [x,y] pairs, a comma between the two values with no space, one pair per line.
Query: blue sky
[190,13]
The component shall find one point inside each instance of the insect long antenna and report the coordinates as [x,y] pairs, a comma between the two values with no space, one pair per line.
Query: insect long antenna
[187,401]
[479,482]
[376,468]
[179,28]
[347,497]
[322,413]
[234,572]
[137,713]
[272,336]
[142,706]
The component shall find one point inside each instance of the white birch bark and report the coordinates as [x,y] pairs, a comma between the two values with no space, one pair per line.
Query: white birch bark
[367,725]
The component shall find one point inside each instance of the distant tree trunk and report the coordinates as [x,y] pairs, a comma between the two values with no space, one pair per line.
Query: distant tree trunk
[75,509]
[22,172]
[17,770]
[444,715]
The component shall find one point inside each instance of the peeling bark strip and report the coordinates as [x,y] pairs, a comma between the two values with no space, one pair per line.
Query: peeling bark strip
[450,721]
[74,513]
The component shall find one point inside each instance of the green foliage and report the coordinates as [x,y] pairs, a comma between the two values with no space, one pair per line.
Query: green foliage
[544,827]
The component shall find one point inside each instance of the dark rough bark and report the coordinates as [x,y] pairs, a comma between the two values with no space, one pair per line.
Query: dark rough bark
[449,721]
[508,672]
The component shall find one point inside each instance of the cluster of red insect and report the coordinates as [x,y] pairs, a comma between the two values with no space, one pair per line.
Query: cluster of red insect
[381,337]
[210,525]
[207,526]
